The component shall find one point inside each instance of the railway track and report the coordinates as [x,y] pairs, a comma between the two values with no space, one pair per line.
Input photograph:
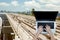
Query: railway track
[32,27]
[28,24]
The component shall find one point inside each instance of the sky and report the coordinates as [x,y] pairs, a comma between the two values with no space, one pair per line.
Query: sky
[27,5]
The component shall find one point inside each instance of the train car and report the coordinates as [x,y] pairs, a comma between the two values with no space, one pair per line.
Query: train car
[0,24]
[45,17]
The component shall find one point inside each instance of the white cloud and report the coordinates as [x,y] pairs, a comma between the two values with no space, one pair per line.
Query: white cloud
[4,4]
[32,4]
[51,5]
[15,3]
[43,1]
[49,1]
[55,1]
[14,0]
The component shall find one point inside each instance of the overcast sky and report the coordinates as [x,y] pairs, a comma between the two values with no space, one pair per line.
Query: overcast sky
[26,5]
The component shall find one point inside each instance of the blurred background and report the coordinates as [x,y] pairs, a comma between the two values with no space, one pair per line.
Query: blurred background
[17,21]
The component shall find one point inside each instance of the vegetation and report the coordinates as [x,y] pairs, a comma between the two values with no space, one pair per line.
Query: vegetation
[32,12]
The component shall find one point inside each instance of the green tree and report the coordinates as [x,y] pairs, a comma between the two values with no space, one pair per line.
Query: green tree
[32,12]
